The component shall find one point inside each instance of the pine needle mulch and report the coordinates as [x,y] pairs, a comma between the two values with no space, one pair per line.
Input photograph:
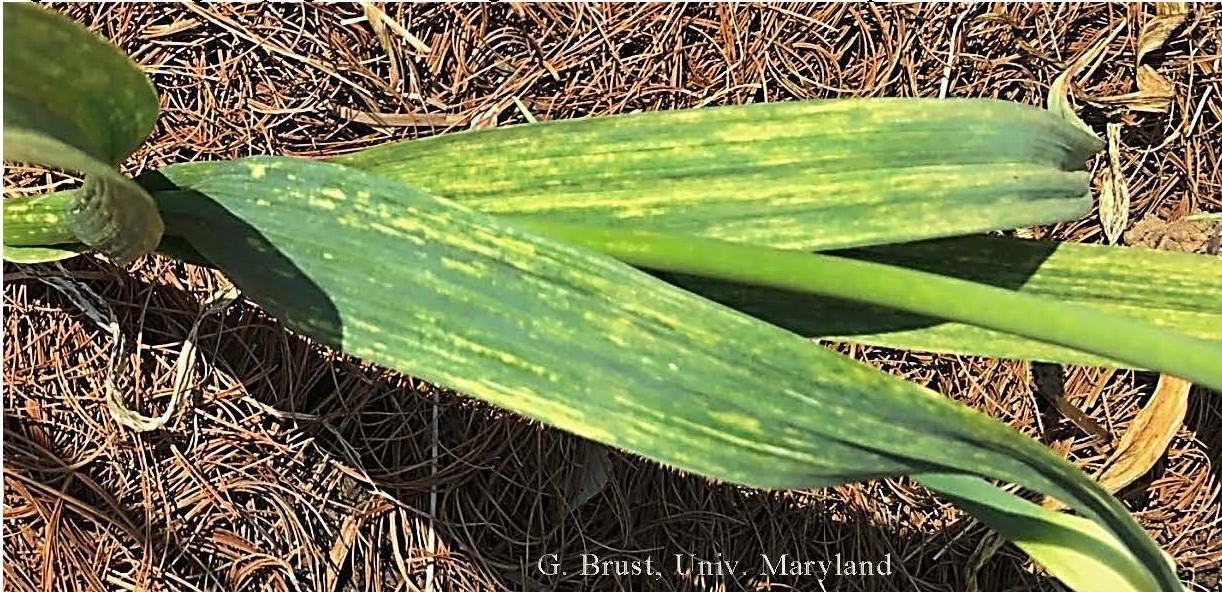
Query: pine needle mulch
[287,467]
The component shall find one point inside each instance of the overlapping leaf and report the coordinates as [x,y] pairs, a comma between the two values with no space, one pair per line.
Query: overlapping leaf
[85,110]
[1118,337]
[585,343]
[1080,553]
[1175,291]
[590,345]
[641,172]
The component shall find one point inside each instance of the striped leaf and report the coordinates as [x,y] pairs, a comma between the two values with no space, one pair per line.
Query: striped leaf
[1128,341]
[585,343]
[1176,291]
[35,229]
[74,102]
[808,175]
[578,340]
[792,176]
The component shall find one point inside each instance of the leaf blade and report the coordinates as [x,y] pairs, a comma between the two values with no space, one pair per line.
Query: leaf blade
[1049,321]
[585,343]
[801,175]
[1177,291]
[1080,553]
[91,97]
[74,102]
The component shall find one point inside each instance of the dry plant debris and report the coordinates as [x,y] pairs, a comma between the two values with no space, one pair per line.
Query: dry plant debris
[1147,438]
[289,467]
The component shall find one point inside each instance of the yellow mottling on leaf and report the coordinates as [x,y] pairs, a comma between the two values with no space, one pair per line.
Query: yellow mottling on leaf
[504,357]
[473,268]
[409,225]
[639,212]
[738,420]
[388,231]
[532,404]
[325,204]
[364,326]
[257,171]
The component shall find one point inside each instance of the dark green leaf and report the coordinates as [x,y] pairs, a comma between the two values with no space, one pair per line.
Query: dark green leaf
[74,102]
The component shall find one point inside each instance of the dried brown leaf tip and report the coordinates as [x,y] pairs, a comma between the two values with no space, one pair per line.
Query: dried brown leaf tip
[1147,438]
[1062,86]
[1154,91]
[1149,435]
[1168,16]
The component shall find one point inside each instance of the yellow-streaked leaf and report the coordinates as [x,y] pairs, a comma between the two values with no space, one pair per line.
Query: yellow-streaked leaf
[1176,291]
[585,343]
[798,175]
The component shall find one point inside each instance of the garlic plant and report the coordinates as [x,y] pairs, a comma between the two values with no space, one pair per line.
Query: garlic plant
[648,281]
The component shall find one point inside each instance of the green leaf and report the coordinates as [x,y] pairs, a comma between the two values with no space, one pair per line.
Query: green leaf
[1127,340]
[1175,291]
[37,221]
[800,175]
[17,254]
[64,83]
[582,342]
[74,102]
[34,229]
[1082,555]
[775,175]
